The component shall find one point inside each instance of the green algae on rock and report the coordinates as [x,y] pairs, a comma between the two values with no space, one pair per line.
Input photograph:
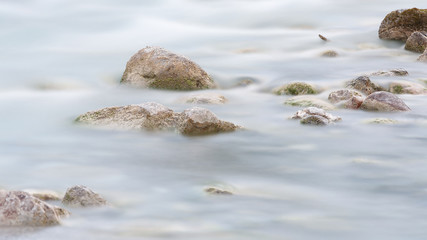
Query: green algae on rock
[154,67]
[406,87]
[296,88]
[400,24]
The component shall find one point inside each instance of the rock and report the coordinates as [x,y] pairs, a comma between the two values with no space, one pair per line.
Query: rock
[348,99]
[381,121]
[405,87]
[423,57]
[384,102]
[296,88]
[81,196]
[364,85]
[329,53]
[417,42]
[44,195]
[155,67]
[315,116]
[206,98]
[391,73]
[217,191]
[148,116]
[400,24]
[309,101]
[323,38]
[200,121]
[19,208]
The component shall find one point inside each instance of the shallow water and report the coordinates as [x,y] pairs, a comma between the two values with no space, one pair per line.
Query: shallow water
[348,181]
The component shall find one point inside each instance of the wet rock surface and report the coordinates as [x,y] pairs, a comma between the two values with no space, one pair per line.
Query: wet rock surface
[309,101]
[417,42]
[364,85]
[345,98]
[315,116]
[19,208]
[405,87]
[296,88]
[384,102]
[400,24]
[154,67]
[81,196]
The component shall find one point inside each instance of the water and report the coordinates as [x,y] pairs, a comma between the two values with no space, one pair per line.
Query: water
[348,181]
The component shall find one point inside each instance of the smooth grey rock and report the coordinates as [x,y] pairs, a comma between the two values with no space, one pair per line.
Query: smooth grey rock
[345,98]
[154,67]
[417,42]
[384,102]
[400,24]
[405,87]
[19,208]
[364,85]
[308,101]
[315,116]
[81,196]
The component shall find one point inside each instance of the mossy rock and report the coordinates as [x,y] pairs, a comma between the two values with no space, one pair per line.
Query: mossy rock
[400,24]
[297,88]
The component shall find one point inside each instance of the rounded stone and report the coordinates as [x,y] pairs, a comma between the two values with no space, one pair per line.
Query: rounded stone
[364,85]
[296,88]
[405,87]
[384,102]
[400,24]
[345,98]
[417,42]
[309,101]
[81,196]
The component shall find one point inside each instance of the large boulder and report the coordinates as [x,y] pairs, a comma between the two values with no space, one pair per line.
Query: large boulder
[417,42]
[364,85]
[309,101]
[154,67]
[405,87]
[19,208]
[296,88]
[81,196]
[345,98]
[400,24]
[315,116]
[384,102]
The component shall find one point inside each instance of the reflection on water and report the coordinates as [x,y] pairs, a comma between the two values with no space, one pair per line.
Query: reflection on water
[352,180]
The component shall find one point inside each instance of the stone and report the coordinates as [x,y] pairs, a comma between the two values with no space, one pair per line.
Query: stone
[323,38]
[296,88]
[400,24]
[405,87]
[329,53]
[345,98]
[19,208]
[315,116]
[148,116]
[423,57]
[205,98]
[384,102]
[217,191]
[201,121]
[391,73]
[44,195]
[308,101]
[154,67]
[417,42]
[381,121]
[364,85]
[81,196]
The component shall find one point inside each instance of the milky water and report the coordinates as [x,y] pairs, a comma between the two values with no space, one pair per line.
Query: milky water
[348,181]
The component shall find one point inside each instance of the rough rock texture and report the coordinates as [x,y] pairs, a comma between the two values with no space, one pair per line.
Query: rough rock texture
[44,195]
[309,101]
[149,116]
[22,209]
[349,99]
[391,73]
[217,191]
[155,67]
[81,196]
[329,53]
[206,98]
[381,121]
[315,116]
[384,102]
[417,42]
[296,88]
[405,87]
[364,85]
[423,57]
[200,121]
[400,24]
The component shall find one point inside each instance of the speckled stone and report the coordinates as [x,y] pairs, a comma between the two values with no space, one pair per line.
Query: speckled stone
[82,196]
[384,102]
[400,24]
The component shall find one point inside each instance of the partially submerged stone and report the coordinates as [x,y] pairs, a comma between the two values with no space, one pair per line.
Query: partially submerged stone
[417,42]
[81,196]
[405,87]
[329,53]
[391,73]
[315,116]
[323,38]
[384,102]
[19,208]
[296,88]
[345,98]
[154,67]
[45,195]
[200,121]
[400,24]
[217,191]
[423,57]
[381,121]
[364,85]
[206,98]
[308,101]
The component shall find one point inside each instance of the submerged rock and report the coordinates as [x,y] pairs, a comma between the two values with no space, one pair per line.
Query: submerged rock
[384,102]
[417,42]
[205,98]
[391,73]
[364,85]
[19,208]
[381,121]
[329,53]
[155,67]
[400,24]
[217,191]
[315,116]
[309,101]
[405,87]
[296,88]
[323,38]
[349,99]
[81,196]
